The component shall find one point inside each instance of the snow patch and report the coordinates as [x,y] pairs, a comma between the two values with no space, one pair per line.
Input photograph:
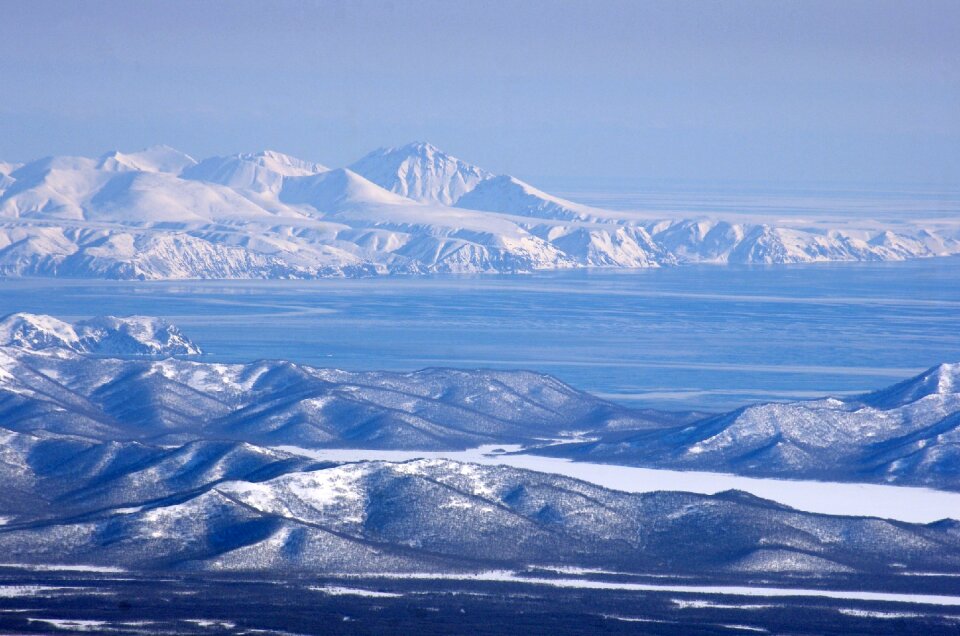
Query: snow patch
[72,624]
[14,591]
[44,567]
[333,590]
[725,590]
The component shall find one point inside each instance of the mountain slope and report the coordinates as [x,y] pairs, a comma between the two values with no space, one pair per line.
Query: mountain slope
[177,401]
[338,190]
[167,464]
[51,476]
[153,159]
[511,196]
[261,172]
[420,171]
[437,515]
[105,335]
[906,434]
[604,246]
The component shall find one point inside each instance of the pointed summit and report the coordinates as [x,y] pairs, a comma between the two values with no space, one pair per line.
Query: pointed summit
[942,380]
[153,159]
[284,164]
[420,171]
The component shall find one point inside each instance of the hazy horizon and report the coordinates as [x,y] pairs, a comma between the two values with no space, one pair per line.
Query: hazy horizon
[791,92]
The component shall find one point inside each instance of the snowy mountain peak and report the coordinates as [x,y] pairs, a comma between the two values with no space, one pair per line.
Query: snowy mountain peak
[513,196]
[905,434]
[106,335]
[410,209]
[287,165]
[422,148]
[336,190]
[36,331]
[420,171]
[942,380]
[159,158]
[261,172]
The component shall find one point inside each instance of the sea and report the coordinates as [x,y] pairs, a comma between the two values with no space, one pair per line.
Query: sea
[704,337]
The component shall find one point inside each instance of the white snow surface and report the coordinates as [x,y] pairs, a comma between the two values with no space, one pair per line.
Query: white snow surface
[101,569]
[73,624]
[14,591]
[159,214]
[731,590]
[512,196]
[153,159]
[338,590]
[260,172]
[422,172]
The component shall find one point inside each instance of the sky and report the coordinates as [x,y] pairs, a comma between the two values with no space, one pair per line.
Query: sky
[783,92]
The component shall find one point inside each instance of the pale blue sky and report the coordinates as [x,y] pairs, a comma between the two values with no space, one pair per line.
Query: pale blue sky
[772,91]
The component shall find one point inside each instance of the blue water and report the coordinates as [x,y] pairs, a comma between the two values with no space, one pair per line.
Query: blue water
[686,337]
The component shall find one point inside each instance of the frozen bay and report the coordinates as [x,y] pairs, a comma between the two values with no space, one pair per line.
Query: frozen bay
[707,337]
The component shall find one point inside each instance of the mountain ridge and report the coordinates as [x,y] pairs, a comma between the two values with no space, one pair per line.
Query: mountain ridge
[159,214]
[907,434]
[446,516]
[181,465]
[103,335]
[420,171]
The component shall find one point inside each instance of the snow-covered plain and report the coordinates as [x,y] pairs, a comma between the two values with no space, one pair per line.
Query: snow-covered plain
[914,505]
[160,214]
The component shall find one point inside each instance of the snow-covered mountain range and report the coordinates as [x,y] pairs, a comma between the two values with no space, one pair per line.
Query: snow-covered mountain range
[906,434]
[275,402]
[160,214]
[147,463]
[244,509]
